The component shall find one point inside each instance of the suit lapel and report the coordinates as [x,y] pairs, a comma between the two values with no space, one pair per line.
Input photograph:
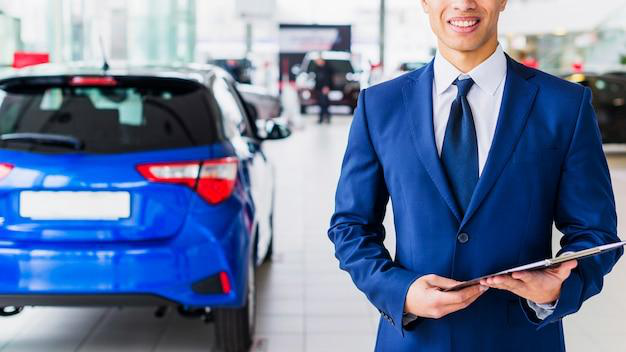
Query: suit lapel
[418,100]
[517,100]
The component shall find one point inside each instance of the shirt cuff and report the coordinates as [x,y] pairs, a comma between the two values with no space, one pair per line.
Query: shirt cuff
[542,310]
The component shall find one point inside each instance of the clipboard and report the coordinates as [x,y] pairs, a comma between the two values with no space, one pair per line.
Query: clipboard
[543,264]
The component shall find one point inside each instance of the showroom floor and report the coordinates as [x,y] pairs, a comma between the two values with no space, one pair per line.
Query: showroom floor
[305,302]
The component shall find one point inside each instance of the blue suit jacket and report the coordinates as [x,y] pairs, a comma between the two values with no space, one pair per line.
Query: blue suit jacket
[545,164]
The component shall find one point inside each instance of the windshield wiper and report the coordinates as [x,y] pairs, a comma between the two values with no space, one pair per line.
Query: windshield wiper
[58,140]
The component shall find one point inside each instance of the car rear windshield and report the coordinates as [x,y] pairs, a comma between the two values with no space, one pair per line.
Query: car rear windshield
[113,115]
[337,66]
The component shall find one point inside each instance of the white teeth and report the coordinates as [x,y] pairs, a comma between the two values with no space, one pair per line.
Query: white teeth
[463,23]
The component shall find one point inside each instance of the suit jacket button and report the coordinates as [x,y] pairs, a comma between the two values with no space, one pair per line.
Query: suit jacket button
[463,237]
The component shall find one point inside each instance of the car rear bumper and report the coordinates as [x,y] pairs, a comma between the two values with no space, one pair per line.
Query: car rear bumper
[161,271]
[87,300]
[348,99]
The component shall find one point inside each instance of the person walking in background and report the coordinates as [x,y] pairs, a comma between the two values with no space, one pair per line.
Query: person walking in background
[479,156]
[323,82]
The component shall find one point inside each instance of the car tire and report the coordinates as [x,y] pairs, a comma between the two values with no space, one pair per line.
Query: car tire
[234,327]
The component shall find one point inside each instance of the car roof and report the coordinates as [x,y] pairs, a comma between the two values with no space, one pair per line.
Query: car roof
[194,72]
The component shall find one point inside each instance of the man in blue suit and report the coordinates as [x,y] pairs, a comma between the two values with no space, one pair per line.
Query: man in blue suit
[479,156]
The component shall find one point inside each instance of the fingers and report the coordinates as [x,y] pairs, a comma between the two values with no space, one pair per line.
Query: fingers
[434,303]
[525,276]
[439,281]
[538,286]
[467,298]
[569,265]
[505,282]
[466,303]
[564,269]
[459,297]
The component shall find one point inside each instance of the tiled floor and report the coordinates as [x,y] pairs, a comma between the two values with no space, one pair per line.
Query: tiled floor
[306,303]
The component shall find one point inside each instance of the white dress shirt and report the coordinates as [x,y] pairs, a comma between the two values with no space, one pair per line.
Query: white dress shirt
[485,98]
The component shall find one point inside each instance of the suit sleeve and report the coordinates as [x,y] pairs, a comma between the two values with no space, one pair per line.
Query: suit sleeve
[585,212]
[356,227]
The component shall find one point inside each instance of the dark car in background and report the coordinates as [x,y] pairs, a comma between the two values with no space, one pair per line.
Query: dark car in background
[409,66]
[346,80]
[617,73]
[240,69]
[609,101]
[262,104]
[134,186]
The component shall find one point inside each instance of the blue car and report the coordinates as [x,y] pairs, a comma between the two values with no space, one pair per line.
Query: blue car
[134,186]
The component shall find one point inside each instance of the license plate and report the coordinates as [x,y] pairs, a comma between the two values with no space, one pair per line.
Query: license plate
[64,205]
[335,95]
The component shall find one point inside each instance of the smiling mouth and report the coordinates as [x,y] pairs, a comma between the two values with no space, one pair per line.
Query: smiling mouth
[464,24]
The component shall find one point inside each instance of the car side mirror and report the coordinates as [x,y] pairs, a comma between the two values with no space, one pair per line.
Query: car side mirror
[273,129]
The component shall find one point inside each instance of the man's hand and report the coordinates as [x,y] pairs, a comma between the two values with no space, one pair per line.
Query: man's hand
[541,286]
[425,298]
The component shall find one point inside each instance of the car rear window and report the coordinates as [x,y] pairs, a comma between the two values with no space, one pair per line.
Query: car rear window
[125,114]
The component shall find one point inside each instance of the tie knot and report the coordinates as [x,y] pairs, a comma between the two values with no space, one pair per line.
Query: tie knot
[464,85]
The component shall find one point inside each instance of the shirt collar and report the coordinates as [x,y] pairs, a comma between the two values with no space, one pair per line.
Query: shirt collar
[487,76]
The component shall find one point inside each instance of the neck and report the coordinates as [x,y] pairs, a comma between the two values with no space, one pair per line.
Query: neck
[465,61]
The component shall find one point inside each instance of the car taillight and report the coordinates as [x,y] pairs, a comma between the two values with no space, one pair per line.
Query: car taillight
[5,170]
[184,173]
[217,179]
[214,180]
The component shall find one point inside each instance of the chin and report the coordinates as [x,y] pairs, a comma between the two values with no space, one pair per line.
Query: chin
[463,45]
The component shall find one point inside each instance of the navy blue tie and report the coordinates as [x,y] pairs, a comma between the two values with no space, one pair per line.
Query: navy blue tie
[460,149]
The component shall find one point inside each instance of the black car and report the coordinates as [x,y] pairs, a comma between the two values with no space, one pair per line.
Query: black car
[261,103]
[240,69]
[345,87]
[609,101]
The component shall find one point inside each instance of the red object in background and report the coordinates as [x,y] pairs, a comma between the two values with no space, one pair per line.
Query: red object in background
[375,66]
[93,81]
[577,67]
[530,62]
[24,59]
